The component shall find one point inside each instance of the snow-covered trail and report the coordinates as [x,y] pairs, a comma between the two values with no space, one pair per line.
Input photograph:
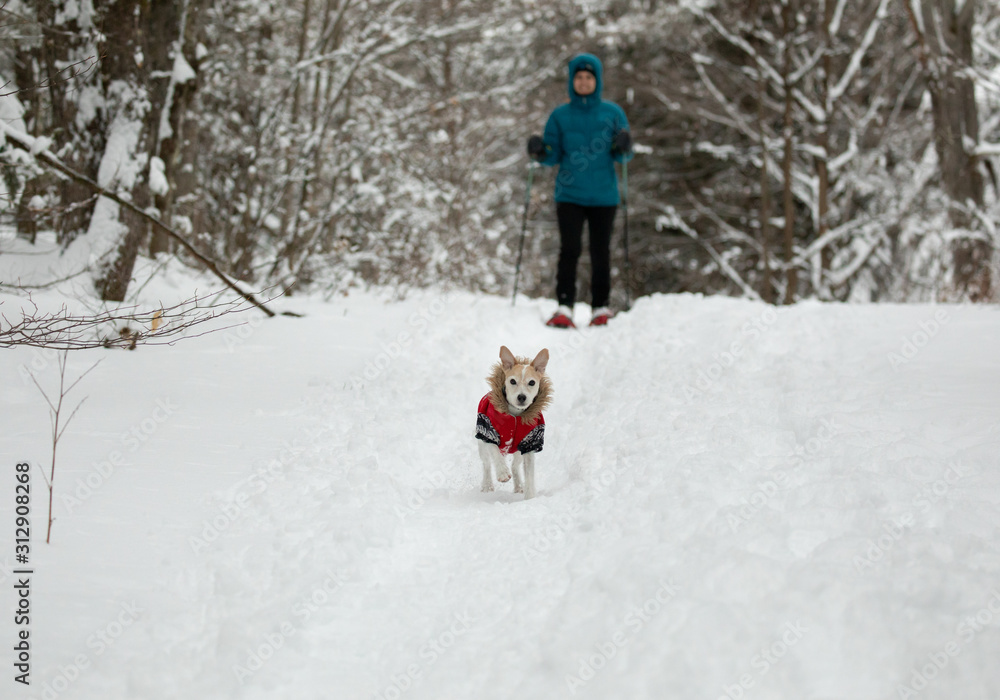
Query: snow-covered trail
[733,502]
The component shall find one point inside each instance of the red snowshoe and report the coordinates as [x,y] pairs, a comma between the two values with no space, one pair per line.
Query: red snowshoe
[561,319]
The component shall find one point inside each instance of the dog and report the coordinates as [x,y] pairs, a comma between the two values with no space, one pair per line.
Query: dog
[510,419]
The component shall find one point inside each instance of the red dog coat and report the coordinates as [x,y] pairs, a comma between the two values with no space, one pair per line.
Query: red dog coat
[509,433]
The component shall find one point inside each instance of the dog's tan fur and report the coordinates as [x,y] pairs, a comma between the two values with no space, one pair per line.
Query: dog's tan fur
[531,394]
[498,379]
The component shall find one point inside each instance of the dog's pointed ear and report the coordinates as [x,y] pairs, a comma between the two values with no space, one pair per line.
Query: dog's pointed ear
[541,360]
[506,358]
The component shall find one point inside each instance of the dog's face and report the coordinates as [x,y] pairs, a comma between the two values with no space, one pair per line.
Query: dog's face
[521,382]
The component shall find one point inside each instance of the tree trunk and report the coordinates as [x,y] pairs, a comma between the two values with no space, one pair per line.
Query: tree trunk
[49,70]
[792,280]
[292,200]
[944,36]
[175,95]
[822,261]
[115,278]
[767,284]
[125,70]
[948,47]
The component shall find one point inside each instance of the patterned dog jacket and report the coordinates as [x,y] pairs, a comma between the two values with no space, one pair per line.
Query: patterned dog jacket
[509,433]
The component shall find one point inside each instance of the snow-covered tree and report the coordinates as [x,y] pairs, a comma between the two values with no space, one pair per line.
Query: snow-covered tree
[788,149]
[103,78]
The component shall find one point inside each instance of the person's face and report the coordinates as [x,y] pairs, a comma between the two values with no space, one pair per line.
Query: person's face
[584,83]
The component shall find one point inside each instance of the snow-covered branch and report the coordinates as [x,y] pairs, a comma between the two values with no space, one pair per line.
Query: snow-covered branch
[38,147]
[986,149]
[671,219]
[858,55]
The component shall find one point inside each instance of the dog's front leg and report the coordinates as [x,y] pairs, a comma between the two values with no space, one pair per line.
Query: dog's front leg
[503,471]
[529,475]
[516,468]
[489,454]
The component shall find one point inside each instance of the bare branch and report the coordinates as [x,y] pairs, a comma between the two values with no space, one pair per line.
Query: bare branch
[91,63]
[42,391]
[70,388]
[71,415]
[125,327]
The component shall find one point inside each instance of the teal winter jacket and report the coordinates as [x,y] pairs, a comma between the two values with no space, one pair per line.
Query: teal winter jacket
[579,137]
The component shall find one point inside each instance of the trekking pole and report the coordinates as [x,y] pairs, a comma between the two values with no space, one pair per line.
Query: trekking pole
[524,228]
[628,266]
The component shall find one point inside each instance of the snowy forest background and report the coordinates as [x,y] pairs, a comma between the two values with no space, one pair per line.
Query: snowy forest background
[835,149]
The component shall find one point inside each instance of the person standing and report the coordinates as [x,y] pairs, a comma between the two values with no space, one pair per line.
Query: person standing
[585,138]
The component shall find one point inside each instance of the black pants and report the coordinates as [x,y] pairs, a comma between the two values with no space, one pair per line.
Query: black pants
[600,224]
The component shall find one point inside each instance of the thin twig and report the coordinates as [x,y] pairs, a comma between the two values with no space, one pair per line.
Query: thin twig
[62,330]
[55,412]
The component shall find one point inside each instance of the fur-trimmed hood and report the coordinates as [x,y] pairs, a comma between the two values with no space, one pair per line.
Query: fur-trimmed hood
[499,401]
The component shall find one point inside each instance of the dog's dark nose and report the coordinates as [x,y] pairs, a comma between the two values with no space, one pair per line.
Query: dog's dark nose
[521,398]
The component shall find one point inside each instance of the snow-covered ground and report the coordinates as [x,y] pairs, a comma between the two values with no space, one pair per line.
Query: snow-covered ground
[734,502]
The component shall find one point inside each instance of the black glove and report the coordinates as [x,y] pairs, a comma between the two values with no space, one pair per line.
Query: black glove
[536,147]
[623,142]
